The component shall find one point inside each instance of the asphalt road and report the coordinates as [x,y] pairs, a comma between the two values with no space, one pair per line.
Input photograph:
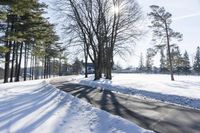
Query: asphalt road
[157,116]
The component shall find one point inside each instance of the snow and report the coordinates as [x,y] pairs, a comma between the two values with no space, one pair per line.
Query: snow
[55,77]
[36,106]
[184,91]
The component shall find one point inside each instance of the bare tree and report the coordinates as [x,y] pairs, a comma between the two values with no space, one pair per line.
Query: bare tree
[103,26]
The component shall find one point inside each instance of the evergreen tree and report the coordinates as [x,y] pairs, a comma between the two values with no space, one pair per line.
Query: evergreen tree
[196,65]
[161,24]
[26,34]
[141,63]
[186,63]
[177,60]
[163,68]
[77,66]
[149,61]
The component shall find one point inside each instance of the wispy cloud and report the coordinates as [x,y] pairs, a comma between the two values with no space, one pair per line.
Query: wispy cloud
[186,16]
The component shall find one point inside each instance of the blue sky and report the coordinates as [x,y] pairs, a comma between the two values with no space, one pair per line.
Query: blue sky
[186,20]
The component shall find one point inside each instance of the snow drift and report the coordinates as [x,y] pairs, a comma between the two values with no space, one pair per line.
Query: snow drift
[36,106]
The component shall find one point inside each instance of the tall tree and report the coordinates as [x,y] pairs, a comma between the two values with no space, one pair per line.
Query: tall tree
[161,22]
[196,65]
[77,66]
[26,33]
[177,60]
[141,63]
[162,61]
[186,63]
[149,61]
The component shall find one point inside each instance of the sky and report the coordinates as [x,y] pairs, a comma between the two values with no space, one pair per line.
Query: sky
[186,20]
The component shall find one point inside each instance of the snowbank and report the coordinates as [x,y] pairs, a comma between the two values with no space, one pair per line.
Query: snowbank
[35,106]
[184,91]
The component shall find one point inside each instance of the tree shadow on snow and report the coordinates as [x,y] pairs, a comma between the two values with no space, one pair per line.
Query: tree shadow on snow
[16,108]
[129,108]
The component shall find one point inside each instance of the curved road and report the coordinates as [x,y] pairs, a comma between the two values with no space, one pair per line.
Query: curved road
[157,116]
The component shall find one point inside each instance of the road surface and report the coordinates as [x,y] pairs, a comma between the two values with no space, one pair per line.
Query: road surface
[157,116]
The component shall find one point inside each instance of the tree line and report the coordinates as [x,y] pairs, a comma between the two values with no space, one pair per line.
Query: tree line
[181,62]
[27,37]
[101,28]
[105,28]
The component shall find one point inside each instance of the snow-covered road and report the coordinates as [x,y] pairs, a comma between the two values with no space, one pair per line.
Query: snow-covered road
[149,114]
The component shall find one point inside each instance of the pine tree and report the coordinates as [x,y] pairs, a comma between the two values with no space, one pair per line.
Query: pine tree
[163,68]
[186,63]
[149,61]
[177,60]
[161,24]
[141,63]
[77,66]
[5,28]
[27,34]
[196,65]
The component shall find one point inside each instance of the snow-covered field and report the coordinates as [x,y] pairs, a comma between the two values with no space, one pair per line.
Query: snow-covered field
[184,91]
[36,106]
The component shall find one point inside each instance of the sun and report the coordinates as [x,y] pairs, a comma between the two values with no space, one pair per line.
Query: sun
[115,9]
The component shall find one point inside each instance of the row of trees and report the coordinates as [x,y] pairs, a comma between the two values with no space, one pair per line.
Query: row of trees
[27,38]
[102,28]
[180,62]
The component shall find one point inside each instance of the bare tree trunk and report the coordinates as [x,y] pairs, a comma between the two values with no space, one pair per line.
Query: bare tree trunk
[12,66]
[45,67]
[31,64]
[109,67]
[169,53]
[60,67]
[96,73]
[53,65]
[7,55]
[49,67]
[42,73]
[19,65]
[86,63]
[36,68]
[25,62]
[100,60]
[7,63]
[33,68]
[16,59]
[109,63]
